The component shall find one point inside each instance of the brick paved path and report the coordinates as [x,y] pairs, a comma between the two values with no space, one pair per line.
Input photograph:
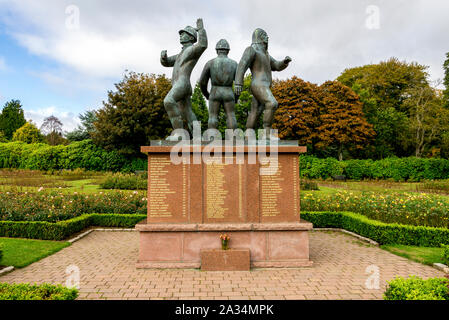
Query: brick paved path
[107,270]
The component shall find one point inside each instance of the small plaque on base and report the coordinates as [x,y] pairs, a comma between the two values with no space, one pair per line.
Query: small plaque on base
[225,260]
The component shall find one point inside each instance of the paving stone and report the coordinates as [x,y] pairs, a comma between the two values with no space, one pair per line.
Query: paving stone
[106,261]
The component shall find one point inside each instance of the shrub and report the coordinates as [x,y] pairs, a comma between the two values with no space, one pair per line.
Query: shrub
[82,154]
[26,291]
[63,229]
[445,256]
[383,233]
[398,169]
[309,185]
[405,208]
[124,182]
[58,206]
[415,288]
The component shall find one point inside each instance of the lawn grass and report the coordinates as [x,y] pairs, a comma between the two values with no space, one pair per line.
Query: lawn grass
[423,255]
[22,252]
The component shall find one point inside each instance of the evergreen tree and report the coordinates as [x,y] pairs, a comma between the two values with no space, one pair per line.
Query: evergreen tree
[11,118]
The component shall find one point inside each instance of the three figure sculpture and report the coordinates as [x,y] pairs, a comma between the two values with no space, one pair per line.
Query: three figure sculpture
[222,72]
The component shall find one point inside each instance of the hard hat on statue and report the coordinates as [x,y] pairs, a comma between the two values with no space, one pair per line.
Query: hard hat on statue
[190,30]
[222,45]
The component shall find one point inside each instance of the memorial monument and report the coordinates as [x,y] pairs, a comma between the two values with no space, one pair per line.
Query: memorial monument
[247,189]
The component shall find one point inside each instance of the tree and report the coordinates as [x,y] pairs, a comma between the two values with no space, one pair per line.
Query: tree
[446,81]
[52,128]
[28,133]
[85,129]
[297,116]
[134,114]
[3,137]
[11,118]
[383,89]
[342,122]
[199,107]
[429,119]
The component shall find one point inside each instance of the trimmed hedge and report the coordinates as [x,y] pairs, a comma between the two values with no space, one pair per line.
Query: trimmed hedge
[398,169]
[25,291]
[63,229]
[383,233]
[415,288]
[83,154]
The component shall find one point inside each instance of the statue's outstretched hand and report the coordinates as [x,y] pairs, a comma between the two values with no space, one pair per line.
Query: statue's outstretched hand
[164,54]
[199,24]
[238,89]
[287,60]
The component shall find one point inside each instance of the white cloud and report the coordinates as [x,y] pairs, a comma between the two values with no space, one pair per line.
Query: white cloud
[323,37]
[68,119]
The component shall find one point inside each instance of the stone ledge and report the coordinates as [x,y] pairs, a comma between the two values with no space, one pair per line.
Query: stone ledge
[167,265]
[6,270]
[282,264]
[441,267]
[179,227]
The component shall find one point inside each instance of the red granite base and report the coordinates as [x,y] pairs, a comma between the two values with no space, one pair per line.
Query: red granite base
[179,245]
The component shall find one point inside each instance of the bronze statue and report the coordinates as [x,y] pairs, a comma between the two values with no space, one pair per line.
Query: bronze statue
[178,103]
[257,58]
[221,72]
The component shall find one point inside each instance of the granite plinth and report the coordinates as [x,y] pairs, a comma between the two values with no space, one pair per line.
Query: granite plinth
[195,192]
[179,245]
[225,260]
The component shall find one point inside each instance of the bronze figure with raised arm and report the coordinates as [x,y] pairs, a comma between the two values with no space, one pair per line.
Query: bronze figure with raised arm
[178,103]
[221,72]
[257,58]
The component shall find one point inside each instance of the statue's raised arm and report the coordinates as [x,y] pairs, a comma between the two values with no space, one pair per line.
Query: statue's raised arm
[201,45]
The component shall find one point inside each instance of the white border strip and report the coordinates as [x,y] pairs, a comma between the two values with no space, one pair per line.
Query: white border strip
[82,235]
[441,267]
[350,233]
[6,270]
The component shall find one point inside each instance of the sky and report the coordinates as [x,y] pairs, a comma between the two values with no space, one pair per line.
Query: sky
[61,57]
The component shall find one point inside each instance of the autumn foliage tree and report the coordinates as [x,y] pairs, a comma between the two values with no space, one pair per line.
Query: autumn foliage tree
[134,114]
[297,116]
[342,121]
[329,116]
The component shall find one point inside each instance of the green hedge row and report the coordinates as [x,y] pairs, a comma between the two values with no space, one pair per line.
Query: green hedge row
[25,291]
[415,288]
[64,229]
[398,169]
[83,154]
[383,233]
